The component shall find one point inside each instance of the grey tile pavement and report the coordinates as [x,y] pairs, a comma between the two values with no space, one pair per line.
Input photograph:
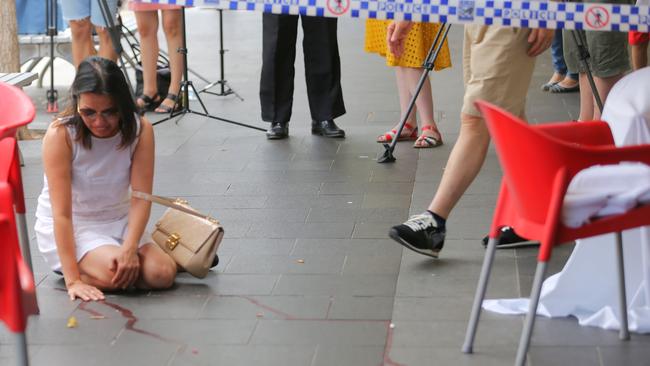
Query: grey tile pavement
[307,274]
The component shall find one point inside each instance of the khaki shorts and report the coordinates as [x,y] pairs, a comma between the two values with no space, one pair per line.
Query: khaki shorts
[496,68]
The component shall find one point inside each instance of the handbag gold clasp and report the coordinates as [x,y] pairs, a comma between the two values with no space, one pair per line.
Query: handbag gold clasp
[172,241]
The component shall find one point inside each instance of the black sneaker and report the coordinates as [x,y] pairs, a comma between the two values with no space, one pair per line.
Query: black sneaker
[510,240]
[421,234]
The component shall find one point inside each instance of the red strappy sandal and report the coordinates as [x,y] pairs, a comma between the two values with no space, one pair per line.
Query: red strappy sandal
[390,135]
[427,142]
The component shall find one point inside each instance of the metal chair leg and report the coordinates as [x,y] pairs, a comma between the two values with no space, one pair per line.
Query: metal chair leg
[536,291]
[22,358]
[624,333]
[23,239]
[481,288]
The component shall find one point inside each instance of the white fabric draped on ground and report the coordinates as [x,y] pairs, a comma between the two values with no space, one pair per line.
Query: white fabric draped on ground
[586,288]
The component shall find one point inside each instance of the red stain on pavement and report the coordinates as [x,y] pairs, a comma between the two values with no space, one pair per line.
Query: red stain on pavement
[131,320]
[387,348]
[272,310]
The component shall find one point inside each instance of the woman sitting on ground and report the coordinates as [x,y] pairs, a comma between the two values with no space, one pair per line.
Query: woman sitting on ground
[87,226]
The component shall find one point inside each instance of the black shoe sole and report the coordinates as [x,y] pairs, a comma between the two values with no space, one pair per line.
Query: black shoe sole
[321,133]
[395,236]
[276,137]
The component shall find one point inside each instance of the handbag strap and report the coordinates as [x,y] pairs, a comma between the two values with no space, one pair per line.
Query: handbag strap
[171,203]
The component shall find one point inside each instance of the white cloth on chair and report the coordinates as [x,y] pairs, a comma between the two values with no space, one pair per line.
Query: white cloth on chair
[605,190]
[586,288]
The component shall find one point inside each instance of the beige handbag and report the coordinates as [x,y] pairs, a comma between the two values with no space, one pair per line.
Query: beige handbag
[188,236]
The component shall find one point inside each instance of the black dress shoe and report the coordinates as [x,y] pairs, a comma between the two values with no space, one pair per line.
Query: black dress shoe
[277,131]
[326,128]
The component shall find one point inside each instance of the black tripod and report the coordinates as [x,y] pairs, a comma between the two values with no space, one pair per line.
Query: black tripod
[51,15]
[225,88]
[387,156]
[184,101]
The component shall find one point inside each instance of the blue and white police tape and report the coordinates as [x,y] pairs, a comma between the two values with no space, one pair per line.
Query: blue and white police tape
[511,13]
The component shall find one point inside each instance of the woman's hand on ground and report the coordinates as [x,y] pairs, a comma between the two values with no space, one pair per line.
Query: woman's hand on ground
[84,291]
[126,266]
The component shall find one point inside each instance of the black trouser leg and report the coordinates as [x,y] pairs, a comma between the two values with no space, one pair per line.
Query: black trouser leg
[322,68]
[278,56]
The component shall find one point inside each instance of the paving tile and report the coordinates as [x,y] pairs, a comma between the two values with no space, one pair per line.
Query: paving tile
[449,333]
[575,356]
[103,355]
[298,230]
[257,246]
[246,355]
[343,355]
[225,284]
[625,354]
[336,285]
[259,264]
[487,356]
[361,307]
[329,332]
[266,307]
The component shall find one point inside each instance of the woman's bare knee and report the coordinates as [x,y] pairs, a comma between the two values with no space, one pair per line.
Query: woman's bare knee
[159,274]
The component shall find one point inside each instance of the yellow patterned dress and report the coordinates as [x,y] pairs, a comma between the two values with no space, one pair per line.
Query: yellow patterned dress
[417,45]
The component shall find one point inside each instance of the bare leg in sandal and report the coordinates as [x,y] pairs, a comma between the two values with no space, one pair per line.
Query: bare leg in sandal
[148,28]
[410,129]
[430,136]
[172,28]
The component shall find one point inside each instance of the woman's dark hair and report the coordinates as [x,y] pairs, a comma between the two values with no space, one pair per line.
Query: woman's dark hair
[102,76]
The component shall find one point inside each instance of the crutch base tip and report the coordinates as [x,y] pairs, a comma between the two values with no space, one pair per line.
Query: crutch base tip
[468,349]
[386,156]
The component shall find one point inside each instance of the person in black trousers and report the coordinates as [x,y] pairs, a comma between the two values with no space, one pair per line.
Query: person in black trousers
[322,73]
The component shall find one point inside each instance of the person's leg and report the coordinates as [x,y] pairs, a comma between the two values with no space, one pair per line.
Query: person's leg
[77,14]
[278,56]
[557,58]
[173,34]
[96,267]
[147,22]
[609,60]
[424,103]
[587,104]
[322,67]
[604,86]
[496,68]
[404,92]
[106,48]
[82,43]
[157,269]
[465,162]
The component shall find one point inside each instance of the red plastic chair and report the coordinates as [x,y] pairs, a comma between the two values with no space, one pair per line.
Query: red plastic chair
[17,111]
[538,164]
[17,290]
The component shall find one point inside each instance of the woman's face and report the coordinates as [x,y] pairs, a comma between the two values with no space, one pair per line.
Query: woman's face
[99,113]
